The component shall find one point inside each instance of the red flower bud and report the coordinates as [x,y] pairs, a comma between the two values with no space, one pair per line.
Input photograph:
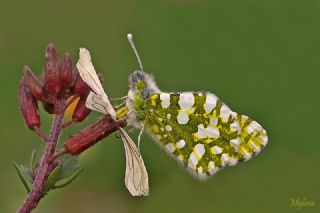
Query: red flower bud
[92,134]
[52,75]
[33,83]
[81,111]
[81,87]
[74,77]
[67,70]
[28,106]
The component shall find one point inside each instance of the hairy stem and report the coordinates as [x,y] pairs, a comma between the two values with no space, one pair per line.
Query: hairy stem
[46,164]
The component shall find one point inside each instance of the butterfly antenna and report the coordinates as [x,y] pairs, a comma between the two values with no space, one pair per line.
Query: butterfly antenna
[130,39]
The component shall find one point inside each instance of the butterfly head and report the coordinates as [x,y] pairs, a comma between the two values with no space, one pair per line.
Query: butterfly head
[142,86]
[142,83]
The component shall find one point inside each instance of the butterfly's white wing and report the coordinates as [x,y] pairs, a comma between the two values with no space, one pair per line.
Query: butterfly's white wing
[136,178]
[96,103]
[89,75]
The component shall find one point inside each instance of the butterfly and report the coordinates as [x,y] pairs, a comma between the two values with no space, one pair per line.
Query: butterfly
[196,128]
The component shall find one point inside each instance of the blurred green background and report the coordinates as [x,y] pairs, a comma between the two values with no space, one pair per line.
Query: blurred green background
[260,57]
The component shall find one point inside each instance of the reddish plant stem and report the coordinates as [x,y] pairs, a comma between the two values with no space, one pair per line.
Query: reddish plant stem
[58,155]
[46,164]
[68,124]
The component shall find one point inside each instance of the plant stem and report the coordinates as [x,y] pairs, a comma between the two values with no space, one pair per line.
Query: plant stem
[58,155]
[46,164]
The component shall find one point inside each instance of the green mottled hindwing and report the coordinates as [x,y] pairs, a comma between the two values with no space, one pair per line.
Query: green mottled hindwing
[201,131]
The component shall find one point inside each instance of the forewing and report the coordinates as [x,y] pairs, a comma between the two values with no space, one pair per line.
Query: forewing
[201,131]
[98,101]
[136,177]
[88,73]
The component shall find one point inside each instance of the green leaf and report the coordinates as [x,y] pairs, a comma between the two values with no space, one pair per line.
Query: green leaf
[21,176]
[27,173]
[32,161]
[69,166]
[52,179]
[73,177]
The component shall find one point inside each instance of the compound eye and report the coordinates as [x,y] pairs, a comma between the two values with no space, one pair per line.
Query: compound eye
[146,93]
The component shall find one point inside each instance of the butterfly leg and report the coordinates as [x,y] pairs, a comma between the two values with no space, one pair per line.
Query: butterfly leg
[140,134]
[119,106]
[116,99]
[121,99]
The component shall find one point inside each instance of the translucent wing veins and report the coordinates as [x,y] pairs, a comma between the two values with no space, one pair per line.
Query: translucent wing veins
[98,101]
[88,73]
[136,178]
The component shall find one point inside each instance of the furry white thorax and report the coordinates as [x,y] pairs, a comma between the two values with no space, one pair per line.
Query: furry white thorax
[150,89]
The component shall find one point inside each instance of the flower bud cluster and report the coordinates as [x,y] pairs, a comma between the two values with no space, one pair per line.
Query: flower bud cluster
[59,81]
